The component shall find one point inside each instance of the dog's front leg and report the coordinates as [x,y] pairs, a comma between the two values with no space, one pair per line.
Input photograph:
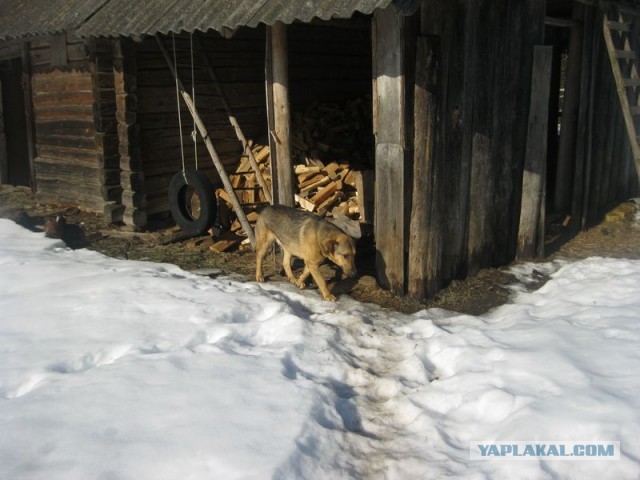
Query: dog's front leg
[322,285]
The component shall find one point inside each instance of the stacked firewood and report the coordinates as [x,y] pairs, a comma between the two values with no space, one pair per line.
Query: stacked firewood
[333,173]
[327,133]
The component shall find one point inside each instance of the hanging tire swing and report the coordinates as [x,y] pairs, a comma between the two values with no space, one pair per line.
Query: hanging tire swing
[192,202]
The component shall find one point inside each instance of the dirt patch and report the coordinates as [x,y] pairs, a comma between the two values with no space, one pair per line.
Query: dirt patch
[619,238]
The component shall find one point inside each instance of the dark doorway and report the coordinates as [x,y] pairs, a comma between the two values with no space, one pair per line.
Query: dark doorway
[14,151]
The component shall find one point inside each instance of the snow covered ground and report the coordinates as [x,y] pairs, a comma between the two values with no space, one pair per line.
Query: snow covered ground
[113,369]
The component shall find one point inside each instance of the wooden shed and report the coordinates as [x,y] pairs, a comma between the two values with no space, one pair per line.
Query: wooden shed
[488,117]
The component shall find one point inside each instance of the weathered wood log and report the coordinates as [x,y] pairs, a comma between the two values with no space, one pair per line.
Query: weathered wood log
[325,192]
[305,203]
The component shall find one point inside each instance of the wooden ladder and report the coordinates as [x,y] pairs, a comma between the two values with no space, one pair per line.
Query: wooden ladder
[617,28]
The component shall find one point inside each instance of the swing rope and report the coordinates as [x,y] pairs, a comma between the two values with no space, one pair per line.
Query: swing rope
[175,62]
[194,132]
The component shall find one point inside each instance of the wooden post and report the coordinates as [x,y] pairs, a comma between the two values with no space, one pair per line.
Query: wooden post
[568,123]
[531,231]
[389,127]
[279,114]
[425,231]
[28,108]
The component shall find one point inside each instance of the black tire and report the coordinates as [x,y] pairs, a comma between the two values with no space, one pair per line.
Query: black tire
[182,188]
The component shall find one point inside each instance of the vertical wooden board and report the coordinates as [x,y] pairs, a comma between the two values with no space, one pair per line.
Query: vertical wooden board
[458,52]
[389,216]
[604,100]
[523,28]
[530,240]
[483,169]
[388,52]
[425,227]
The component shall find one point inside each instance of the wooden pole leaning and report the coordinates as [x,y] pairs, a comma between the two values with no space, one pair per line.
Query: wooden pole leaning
[209,144]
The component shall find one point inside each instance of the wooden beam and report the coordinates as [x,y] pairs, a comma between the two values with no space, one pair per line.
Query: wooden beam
[561,22]
[280,114]
[425,231]
[531,231]
[389,125]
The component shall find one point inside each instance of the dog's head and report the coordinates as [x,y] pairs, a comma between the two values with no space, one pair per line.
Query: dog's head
[341,250]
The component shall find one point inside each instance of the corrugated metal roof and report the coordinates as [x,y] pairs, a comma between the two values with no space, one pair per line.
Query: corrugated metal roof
[111,18]
[123,17]
[19,18]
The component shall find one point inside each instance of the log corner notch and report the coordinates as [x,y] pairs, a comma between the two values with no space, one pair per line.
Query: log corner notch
[279,114]
[391,150]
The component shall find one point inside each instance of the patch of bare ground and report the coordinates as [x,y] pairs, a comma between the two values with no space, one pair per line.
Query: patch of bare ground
[618,237]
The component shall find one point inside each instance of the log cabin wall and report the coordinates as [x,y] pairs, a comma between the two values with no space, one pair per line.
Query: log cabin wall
[239,65]
[74,114]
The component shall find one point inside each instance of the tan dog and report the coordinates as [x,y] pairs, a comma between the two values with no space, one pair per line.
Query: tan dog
[308,237]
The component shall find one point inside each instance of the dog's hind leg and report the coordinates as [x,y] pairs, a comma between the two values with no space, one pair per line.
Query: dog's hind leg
[286,263]
[303,277]
[264,239]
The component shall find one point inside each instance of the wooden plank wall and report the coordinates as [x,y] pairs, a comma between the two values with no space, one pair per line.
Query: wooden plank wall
[485,81]
[239,65]
[604,161]
[73,110]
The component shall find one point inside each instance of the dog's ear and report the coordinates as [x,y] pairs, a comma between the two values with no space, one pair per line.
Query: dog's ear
[328,247]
